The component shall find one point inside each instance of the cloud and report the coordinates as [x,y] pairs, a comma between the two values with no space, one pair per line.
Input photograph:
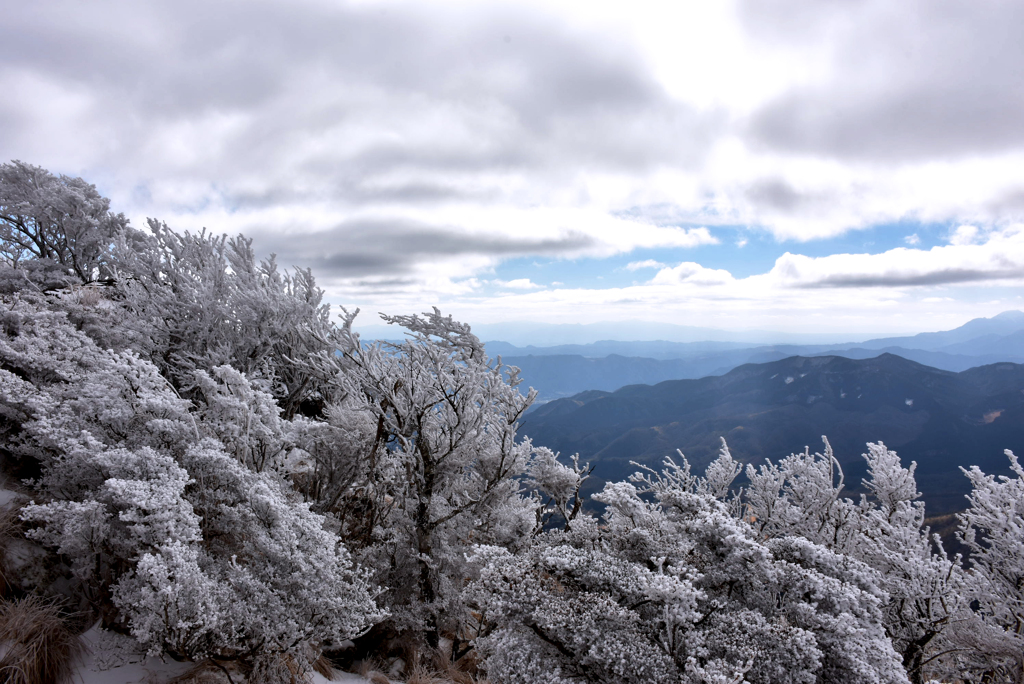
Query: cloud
[777,194]
[999,258]
[403,151]
[898,81]
[692,273]
[913,239]
[646,263]
[297,100]
[518,284]
[360,248]
[964,235]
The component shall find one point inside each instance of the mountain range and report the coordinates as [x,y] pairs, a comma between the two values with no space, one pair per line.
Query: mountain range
[564,370]
[940,419]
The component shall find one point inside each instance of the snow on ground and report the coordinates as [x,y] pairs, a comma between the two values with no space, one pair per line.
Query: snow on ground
[115,659]
[7,496]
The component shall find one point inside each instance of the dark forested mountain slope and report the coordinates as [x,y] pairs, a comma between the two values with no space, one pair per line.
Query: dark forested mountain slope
[938,418]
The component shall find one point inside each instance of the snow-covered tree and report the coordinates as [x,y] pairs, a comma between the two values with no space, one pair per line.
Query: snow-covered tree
[157,524]
[268,578]
[672,587]
[56,218]
[223,472]
[198,301]
[992,528]
[561,484]
[441,469]
[185,302]
[801,496]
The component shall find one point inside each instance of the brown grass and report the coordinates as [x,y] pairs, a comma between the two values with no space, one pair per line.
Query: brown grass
[364,667]
[324,667]
[41,649]
[436,667]
[429,666]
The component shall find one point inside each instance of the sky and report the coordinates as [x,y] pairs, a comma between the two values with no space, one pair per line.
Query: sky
[843,166]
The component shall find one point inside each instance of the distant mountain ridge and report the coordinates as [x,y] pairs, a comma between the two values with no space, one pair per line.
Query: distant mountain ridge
[941,419]
[999,326]
[564,370]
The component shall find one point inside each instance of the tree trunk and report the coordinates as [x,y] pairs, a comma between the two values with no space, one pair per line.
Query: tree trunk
[913,658]
[425,548]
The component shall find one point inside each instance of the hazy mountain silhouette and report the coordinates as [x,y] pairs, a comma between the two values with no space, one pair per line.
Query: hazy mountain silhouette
[1002,325]
[938,418]
[564,370]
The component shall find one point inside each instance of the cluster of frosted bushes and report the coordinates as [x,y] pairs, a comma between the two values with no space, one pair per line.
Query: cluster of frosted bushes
[210,465]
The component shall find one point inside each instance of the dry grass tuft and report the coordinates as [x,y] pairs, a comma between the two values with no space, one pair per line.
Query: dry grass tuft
[40,647]
[436,667]
[370,668]
[364,667]
[324,667]
[421,677]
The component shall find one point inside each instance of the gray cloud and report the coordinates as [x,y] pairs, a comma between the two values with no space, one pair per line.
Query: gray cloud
[363,248]
[948,276]
[1009,204]
[912,80]
[778,195]
[417,90]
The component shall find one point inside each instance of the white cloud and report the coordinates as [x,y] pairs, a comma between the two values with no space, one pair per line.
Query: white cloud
[912,240]
[964,235]
[646,263]
[693,274]
[518,284]
[999,258]
[893,291]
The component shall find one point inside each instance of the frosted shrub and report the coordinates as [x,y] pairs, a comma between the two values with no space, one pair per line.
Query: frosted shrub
[267,578]
[245,419]
[204,300]
[992,527]
[172,605]
[802,496]
[672,587]
[137,506]
[442,466]
[163,530]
